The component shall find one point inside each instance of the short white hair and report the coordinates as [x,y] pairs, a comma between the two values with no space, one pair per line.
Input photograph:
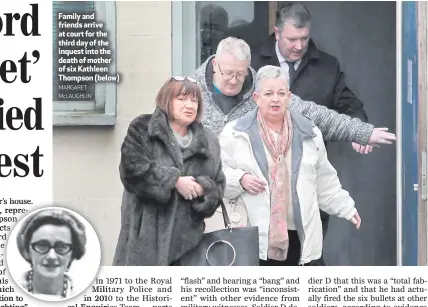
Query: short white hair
[270,72]
[235,46]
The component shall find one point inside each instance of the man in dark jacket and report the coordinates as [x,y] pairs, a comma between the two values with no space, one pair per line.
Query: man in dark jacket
[314,75]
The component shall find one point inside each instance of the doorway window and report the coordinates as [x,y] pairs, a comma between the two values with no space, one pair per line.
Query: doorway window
[217,18]
[198,27]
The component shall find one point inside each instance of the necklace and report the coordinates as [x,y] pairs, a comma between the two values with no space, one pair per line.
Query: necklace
[31,288]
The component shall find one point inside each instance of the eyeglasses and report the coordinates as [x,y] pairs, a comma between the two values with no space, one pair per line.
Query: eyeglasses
[228,75]
[180,78]
[43,247]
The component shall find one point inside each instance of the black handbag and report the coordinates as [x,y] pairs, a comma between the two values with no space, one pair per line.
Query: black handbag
[225,247]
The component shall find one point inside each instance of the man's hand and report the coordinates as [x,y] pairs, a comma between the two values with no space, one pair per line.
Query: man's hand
[252,184]
[356,220]
[381,136]
[362,149]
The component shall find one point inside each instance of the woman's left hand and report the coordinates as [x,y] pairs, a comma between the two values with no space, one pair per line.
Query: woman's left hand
[356,220]
[199,190]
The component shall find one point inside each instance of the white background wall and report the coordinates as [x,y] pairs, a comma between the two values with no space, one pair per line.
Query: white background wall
[86,159]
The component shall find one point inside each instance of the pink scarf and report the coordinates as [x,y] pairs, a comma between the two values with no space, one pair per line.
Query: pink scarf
[279,185]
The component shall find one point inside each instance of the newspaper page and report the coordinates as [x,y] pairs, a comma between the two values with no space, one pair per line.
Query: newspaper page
[123,183]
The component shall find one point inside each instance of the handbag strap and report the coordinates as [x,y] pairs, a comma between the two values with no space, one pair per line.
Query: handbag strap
[226,218]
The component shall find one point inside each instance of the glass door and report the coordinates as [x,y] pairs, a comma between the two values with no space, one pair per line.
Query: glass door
[198,27]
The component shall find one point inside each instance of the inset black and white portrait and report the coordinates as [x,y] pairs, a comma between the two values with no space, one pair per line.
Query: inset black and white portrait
[53,254]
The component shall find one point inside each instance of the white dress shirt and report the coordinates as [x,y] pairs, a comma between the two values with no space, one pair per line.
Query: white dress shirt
[283,63]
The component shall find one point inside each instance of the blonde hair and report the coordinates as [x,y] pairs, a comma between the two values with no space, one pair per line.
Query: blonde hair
[269,72]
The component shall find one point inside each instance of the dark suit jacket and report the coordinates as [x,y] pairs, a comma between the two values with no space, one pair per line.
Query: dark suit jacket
[318,78]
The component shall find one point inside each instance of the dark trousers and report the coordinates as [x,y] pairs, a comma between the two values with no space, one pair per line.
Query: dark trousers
[325,217]
[293,255]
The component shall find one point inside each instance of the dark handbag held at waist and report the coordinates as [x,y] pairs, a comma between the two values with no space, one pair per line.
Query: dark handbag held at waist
[226,247]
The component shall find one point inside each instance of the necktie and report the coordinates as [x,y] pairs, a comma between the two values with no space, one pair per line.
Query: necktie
[291,71]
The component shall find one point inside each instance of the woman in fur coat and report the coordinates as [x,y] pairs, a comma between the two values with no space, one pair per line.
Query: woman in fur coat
[171,171]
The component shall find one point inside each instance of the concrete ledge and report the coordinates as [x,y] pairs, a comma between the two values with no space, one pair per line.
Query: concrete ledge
[83,119]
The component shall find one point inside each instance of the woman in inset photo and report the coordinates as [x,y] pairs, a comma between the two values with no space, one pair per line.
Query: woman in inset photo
[51,241]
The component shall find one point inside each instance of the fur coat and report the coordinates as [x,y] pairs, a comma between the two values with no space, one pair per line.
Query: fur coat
[158,226]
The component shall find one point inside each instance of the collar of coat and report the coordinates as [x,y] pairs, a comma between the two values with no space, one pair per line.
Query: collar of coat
[268,49]
[301,124]
[159,128]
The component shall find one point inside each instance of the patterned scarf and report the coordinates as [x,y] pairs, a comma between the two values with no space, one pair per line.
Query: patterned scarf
[279,185]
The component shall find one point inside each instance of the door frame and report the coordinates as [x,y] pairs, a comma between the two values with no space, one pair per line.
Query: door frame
[409,219]
[273,7]
[184,38]
[399,145]
[422,14]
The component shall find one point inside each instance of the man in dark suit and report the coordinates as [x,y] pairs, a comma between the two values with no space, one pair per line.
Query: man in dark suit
[314,75]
